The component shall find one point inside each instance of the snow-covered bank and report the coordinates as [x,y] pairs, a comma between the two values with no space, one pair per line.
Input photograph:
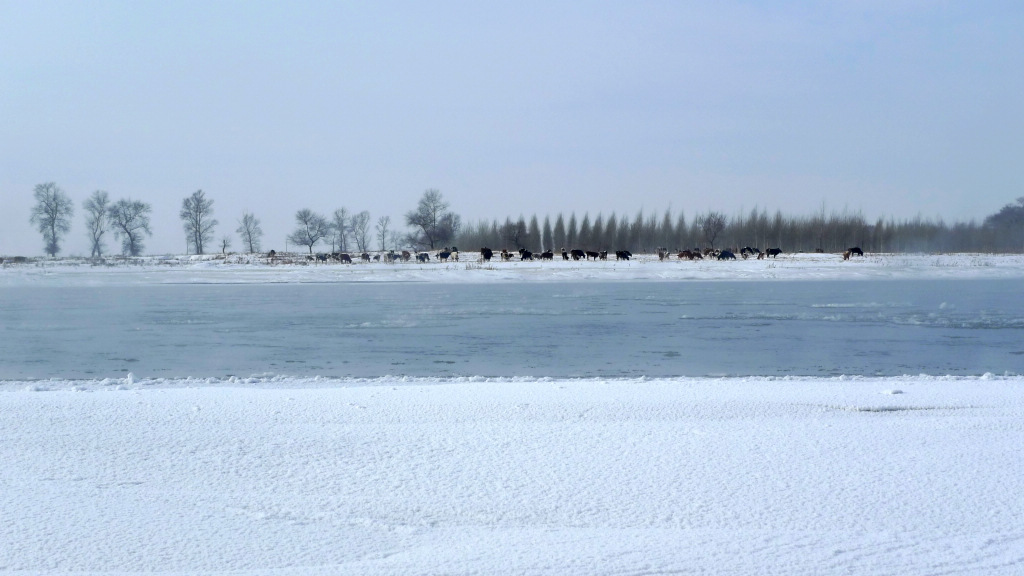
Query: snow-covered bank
[249,269]
[908,475]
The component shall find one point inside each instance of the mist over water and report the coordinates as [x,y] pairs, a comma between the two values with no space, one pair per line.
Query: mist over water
[592,329]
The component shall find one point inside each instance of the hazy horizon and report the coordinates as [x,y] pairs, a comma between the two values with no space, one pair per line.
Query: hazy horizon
[892,109]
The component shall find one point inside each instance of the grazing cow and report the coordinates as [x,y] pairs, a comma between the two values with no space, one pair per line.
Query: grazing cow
[622,254]
[592,254]
[376,257]
[525,254]
[365,256]
[486,254]
[773,252]
[344,258]
[547,255]
[856,251]
[423,257]
[565,255]
[603,255]
[685,254]
[748,251]
[578,254]
[726,255]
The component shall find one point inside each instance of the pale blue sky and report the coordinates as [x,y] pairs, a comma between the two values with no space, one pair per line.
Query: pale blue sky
[885,107]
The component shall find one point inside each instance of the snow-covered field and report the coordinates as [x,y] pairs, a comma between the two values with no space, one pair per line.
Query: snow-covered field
[284,475]
[646,267]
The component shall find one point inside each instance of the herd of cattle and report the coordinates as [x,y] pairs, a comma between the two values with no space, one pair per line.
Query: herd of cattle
[486,254]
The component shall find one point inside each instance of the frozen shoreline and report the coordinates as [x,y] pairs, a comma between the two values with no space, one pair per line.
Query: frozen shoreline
[753,476]
[258,270]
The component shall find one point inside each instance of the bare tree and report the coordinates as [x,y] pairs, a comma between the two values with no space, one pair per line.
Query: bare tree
[711,225]
[250,231]
[130,220]
[360,226]
[225,243]
[312,228]
[197,216]
[52,215]
[340,228]
[383,223]
[96,220]
[433,224]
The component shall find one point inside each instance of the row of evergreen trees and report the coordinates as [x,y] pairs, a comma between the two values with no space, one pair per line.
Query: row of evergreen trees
[828,232]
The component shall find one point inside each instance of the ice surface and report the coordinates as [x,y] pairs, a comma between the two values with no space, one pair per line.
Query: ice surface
[250,475]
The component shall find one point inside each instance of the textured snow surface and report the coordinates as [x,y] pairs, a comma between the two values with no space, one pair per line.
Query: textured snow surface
[909,475]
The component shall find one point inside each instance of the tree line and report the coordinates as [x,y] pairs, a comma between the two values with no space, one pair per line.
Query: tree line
[822,231]
[432,225]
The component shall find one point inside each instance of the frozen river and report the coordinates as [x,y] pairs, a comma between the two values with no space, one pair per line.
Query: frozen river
[586,329]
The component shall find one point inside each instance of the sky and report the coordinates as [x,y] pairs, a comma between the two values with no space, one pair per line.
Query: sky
[892,109]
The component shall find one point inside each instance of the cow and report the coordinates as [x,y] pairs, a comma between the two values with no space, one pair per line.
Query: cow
[344,258]
[578,254]
[547,255]
[376,257]
[365,256]
[846,255]
[321,257]
[603,255]
[773,252]
[662,253]
[423,257]
[486,254]
[622,254]
[506,256]
[565,255]
[592,254]
[406,256]
[726,255]
[525,254]
[685,254]
[443,255]
[748,251]
[856,251]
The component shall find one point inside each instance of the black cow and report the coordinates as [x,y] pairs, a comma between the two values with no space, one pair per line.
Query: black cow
[443,255]
[577,254]
[856,251]
[773,252]
[622,254]
[726,255]
[525,254]
[423,257]
[592,254]
[365,256]
[565,255]
[486,254]
[547,255]
[344,258]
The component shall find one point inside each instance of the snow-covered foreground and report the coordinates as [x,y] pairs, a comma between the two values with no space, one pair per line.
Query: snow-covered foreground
[911,475]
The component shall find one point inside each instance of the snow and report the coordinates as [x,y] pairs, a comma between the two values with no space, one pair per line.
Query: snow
[284,475]
[480,476]
[238,269]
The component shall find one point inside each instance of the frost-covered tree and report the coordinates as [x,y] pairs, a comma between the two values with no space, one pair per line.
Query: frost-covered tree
[360,224]
[97,221]
[52,215]
[383,224]
[130,221]
[311,229]
[434,225]
[711,225]
[249,231]
[197,217]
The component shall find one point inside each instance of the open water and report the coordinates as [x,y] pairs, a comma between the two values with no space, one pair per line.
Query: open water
[591,329]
